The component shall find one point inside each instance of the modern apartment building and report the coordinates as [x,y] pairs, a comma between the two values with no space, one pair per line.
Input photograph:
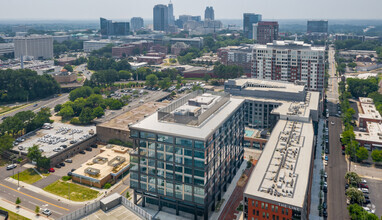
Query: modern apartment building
[290,61]
[237,55]
[265,31]
[36,46]
[161,18]
[249,19]
[112,28]
[209,13]
[136,23]
[188,152]
[264,99]
[317,26]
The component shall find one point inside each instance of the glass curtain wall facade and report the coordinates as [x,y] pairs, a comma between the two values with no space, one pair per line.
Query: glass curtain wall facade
[187,174]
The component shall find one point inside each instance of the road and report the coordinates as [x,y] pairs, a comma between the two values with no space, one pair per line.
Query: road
[337,166]
[35,106]
[83,68]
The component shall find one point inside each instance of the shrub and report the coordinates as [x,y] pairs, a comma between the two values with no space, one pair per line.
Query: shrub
[75,121]
[107,186]
[66,178]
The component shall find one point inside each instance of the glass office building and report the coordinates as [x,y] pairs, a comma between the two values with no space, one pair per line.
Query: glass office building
[188,152]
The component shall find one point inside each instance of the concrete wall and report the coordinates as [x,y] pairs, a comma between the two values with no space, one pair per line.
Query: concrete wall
[104,134]
[72,150]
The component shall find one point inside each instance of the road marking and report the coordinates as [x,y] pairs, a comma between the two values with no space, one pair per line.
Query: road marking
[34,197]
[125,189]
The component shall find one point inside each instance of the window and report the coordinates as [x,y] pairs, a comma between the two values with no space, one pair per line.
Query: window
[257,204]
[184,142]
[188,152]
[166,139]
[253,203]
[147,135]
[178,150]
[169,157]
[266,206]
[199,164]
[286,211]
[273,208]
[199,145]
[262,205]
[282,211]
[199,173]
[169,149]
[199,154]
[187,161]
[160,147]
[276,209]
[134,133]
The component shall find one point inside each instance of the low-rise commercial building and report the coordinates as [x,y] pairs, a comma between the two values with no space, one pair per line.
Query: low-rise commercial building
[91,45]
[7,48]
[368,112]
[108,166]
[372,138]
[150,60]
[65,76]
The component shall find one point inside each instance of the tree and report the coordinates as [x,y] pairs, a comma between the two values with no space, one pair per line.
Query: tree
[351,149]
[86,116]
[57,108]
[6,143]
[352,178]
[34,153]
[43,162]
[83,92]
[151,80]
[165,83]
[206,77]
[356,212]
[66,112]
[362,153]
[68,67]
[37,210]
[98,112]
[355,195]
[376,155]
[18,201]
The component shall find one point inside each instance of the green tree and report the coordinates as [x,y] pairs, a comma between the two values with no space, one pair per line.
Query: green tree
[43,162]
[206,77]
[348,136]
[376,155]
[351,149]
[66,112]
[37,210]
[6,143]
[355,195]
[34,153]
[57,108]
[151,80]
[18,201]
[68,67]
[352,178]
[83,92]
[98,112]
[165,83]
[86,116]
[362,154]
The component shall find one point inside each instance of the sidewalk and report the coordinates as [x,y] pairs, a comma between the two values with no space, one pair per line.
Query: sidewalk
[215,215]
[21,211]
[318,166]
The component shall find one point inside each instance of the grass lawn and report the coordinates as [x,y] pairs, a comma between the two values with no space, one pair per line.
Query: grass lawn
[5,109]
[13,216]
[29,176]
[77,192]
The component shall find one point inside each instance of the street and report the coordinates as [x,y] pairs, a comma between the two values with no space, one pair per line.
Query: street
[337,167]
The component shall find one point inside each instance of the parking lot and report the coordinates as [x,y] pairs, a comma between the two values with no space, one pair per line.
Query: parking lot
[375,187]
[55,139]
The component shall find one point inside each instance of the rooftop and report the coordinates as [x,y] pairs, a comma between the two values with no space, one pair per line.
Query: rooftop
[122,122]
[368,109]
[289,44]
[373,134]
[282,172]
[111,160]
[194,116]
[266,85]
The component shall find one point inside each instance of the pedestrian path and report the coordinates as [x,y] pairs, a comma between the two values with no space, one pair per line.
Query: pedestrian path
[21,211]
[318,166]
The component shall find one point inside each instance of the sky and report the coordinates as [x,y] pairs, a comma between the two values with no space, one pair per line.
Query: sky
[224,9]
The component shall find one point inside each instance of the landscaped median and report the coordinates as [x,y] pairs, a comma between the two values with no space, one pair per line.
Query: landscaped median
[78,193]
[12,215]
[29,176]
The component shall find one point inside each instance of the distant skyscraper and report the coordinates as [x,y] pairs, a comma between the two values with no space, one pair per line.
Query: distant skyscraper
[209,13]
[171,18]
[317,26]
[160,18]
[110,28]
[136,23]
[249,19]
[265,31]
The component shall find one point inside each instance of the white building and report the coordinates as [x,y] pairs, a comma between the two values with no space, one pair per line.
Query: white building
[290,61]
[6,48]
[36,46]
[91,45]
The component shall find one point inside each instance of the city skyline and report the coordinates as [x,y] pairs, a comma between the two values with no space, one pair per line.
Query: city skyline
[298,9]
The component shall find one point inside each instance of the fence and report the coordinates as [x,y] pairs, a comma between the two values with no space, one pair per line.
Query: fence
[82,212]
[131,206]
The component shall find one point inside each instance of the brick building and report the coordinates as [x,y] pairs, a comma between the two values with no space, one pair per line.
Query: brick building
[265,31]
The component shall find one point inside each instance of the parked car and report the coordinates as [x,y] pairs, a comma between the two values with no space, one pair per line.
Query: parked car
[93,146]
[325,175]
[346,186]
[324,205]
[367,201]
[362,185]
[89,149]
[46,212]
[64,146]
[51,170]
[57,166]
[73,142]
[325,213]
[82,152]
[62,164]
[12,166]
[332,122]
[69,160]
[326,150]
[21,148]
[69,174]
[363,181]
[364,190]
[72,170]
[326,158]
[366,196]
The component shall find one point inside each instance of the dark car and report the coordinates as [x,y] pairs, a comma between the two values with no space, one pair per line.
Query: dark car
[324,205]
[69,174]
[62,164]
[82,152]
[325,213]
[325,189]
[367,201]
[93,146]
[73,142]
[326,150]
[366,196]
[89,149]
[3,118]
[35,105]
[64,146]
[57,166]
[72,170]
[346,186]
